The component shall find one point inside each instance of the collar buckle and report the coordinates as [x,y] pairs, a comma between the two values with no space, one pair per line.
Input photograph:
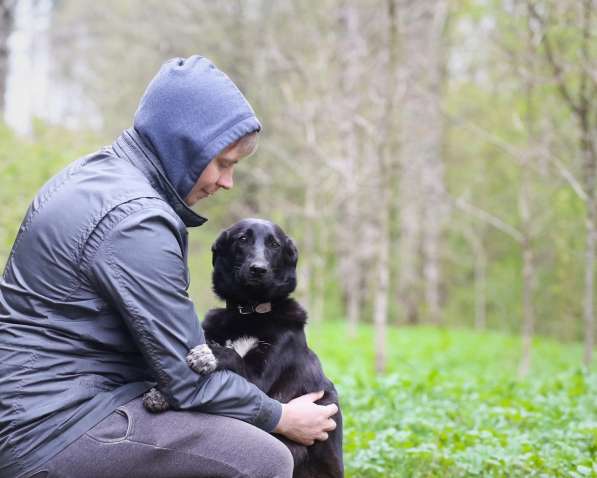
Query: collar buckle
[244,309]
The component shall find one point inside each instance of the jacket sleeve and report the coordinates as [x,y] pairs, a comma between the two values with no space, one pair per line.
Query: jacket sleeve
[140,268]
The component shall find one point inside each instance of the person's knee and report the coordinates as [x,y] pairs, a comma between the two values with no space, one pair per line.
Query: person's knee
[285,461]
[278,463]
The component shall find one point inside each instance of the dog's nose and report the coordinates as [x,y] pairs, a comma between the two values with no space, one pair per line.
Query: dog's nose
[258,269]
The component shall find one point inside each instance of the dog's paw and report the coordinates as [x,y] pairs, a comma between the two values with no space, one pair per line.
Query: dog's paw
[201,359]
[155,402]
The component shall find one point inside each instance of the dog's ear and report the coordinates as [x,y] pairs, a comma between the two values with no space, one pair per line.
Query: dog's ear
[290,252]
[220,246]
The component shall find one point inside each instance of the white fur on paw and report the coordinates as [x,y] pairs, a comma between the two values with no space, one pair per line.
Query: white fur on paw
[201,359]
[155,402]
[243,345]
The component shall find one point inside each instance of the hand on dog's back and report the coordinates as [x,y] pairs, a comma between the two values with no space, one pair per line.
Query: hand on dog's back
[304,421]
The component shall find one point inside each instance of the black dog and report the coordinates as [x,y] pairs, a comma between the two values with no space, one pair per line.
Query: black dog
[260,334]
[255,272]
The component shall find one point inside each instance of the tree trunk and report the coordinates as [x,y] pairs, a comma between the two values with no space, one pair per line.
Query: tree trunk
[590,166]
[434,215]
[383,279]
[421,188]
[351,267]
[525,206]
[308,253]
[480,278]
[384,188]
[319,293]
[354,305]
[581,106]
[528,327]
[480,289]
[589,317]
[6,22]
[587,117]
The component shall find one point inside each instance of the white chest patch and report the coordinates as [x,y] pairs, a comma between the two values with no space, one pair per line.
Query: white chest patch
[243,345]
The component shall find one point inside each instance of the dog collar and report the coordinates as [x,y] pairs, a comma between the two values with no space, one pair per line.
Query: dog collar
[246,309]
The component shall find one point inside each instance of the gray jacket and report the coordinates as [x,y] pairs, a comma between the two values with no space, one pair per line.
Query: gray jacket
[94,308]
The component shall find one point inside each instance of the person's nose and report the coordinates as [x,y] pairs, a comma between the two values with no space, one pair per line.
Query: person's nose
[225,180]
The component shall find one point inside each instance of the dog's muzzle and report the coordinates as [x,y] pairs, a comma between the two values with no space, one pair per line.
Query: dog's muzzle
[256,274]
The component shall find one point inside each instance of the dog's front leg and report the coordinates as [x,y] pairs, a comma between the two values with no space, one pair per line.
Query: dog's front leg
[228,359]
[207,358]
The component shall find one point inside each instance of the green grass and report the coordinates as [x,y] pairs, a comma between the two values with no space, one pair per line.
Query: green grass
[450,405]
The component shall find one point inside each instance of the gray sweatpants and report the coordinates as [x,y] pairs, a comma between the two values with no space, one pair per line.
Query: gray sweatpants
[133,443]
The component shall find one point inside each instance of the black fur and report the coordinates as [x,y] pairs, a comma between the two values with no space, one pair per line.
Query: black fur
[255,262]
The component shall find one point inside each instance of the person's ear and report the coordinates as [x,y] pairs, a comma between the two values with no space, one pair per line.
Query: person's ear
[220,247]
[290,252]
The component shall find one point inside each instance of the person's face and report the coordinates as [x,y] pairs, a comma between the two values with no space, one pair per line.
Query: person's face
[218,174]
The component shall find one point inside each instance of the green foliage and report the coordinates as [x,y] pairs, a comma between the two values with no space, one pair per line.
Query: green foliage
[25,166]
[449,405]
[306,68]
[487,135]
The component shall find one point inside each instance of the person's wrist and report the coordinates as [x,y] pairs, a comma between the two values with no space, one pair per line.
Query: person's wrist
[281,426]
[269,414]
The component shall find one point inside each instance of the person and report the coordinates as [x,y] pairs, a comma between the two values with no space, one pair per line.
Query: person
[94,309]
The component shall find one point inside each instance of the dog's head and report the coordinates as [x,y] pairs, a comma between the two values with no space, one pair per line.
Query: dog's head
[254,261]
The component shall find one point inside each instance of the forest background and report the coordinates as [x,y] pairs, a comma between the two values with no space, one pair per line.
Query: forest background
[434,160]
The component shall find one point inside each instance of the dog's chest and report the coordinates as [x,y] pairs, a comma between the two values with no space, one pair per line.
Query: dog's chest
[243,345]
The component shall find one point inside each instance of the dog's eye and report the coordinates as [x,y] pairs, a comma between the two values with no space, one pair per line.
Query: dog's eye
[243,238]
[274,244]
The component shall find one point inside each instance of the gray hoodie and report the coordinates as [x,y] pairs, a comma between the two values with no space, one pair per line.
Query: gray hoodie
[94,307]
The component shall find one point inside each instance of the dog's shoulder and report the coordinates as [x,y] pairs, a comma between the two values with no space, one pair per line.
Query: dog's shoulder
[217,324]
[212,316]
[292,312]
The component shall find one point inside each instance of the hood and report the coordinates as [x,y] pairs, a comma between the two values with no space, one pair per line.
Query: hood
[130,146]
[189,113]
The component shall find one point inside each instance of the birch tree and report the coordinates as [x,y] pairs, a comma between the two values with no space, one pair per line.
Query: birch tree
[422,200]
[7,8]
[386,158]
[576,84]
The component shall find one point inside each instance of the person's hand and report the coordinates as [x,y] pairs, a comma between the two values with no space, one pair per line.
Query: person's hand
[304,421]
